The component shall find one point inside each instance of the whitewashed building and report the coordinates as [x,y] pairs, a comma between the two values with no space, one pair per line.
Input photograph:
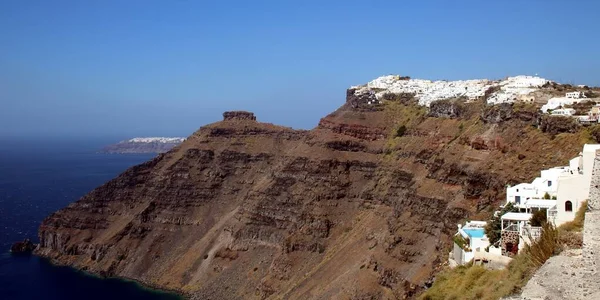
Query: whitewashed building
[574,187]
[575,95]
[541,193]
[563,112]
[566,186]
[516,232]
[559,102]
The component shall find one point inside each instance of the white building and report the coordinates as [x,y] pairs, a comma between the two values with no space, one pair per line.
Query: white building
[559,102]
[563,112]
[575,95]
[569,185]
[574,186]
[516,232]
[527,196]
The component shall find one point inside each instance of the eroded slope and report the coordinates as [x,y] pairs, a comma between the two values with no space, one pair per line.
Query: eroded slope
[355,208]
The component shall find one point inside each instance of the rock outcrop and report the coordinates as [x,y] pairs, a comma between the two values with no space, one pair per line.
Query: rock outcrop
[446,109]
[238,115]
[25,246]
[244,209]
[558,124]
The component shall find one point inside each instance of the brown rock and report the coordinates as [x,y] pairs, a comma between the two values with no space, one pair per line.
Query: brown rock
[238,115]
[25,246]
[244,209]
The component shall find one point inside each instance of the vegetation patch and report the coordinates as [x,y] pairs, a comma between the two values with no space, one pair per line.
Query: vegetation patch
[493,228]
[461,242]
[475,282]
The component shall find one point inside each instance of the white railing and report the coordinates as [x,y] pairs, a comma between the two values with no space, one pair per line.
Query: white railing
[512,227]
[531,231]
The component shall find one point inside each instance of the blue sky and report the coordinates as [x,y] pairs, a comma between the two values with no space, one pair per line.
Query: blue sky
[140,67]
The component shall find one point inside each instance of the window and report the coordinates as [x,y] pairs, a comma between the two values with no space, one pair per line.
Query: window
[568,206]
[549,183]
[518,199]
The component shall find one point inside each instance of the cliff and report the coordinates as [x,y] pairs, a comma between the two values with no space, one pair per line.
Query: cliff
[363,206]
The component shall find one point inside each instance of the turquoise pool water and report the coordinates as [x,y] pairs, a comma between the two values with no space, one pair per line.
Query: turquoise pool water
[474,232]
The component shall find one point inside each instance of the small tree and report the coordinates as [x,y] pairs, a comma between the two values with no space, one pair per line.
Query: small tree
[493,228]
[401,131]
[547,196]
[538,218]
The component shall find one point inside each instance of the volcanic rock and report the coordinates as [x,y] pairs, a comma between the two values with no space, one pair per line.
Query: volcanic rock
[238,115]
[249,210]
[25,246]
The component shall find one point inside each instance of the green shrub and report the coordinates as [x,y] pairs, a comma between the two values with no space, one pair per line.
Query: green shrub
[538,218]
[547,196]
[461,242]
[493,228]
[400,131]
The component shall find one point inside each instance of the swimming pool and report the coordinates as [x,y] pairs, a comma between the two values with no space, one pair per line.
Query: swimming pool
[474,232]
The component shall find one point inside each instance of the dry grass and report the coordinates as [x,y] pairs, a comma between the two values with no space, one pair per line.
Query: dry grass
[476,282]
[569,234]
[577,223]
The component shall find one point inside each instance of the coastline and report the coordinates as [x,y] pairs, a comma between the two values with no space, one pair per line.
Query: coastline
[153,288]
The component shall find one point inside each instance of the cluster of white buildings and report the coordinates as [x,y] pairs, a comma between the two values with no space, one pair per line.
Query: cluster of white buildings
[427,91]
[164,140]
[512,88]
[556,104]
[558,191]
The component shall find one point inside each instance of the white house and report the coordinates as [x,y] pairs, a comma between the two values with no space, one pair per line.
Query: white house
[563,112]
[568,185]
[558,102]
[574,186]
[524,194]
[575,95]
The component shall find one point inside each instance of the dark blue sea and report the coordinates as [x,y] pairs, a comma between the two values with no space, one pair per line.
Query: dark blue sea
[38,177]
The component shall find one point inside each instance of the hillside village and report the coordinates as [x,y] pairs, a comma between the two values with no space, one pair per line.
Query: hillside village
[578,102]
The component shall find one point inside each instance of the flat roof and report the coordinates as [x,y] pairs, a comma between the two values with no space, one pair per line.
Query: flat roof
[514,216]
[590,147]
[540,203]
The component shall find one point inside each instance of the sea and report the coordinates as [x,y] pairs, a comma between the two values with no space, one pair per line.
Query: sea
[38,177]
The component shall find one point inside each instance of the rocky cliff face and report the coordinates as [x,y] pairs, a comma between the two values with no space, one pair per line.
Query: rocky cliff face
[244,209]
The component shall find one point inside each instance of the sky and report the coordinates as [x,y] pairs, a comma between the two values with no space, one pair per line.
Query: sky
[165,68]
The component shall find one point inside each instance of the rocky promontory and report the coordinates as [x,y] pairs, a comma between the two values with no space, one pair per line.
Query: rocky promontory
[361,207]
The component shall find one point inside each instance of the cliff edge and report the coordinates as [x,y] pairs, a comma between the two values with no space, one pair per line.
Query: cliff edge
[362,206]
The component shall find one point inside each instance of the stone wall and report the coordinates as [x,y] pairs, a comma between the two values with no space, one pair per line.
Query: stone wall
[594,200]
[509,237]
